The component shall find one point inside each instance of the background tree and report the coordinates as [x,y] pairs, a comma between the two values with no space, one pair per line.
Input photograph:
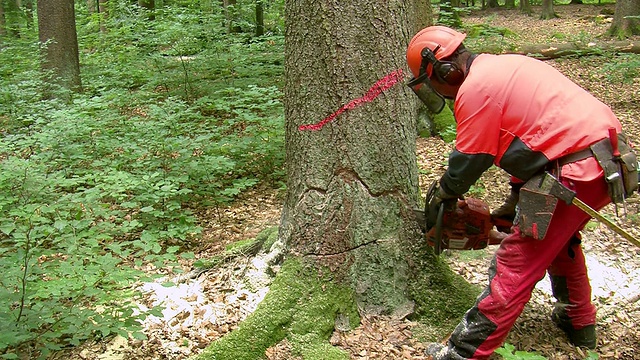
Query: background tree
[150,6]
[259,18]
[448,14]
[231,15]
[547,10]
[525,7]
[57,33]
[103,9]
[626,19]
[3,22]
[12,17]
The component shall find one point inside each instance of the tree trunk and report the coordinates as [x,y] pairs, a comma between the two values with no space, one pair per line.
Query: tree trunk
[3,21]
[351,185]
[92,6]
[28,10]
[448,14]
[103,9]
[493,3]
[547,10]
[231,16]
[259,18]
[150,6]
[510,4]
[57,30]
[525,7]
[626,19]
[12,18]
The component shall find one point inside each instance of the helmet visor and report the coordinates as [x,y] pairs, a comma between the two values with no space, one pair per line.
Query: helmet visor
[427,94]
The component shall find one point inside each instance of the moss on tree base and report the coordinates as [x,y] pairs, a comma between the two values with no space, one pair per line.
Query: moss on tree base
[300,306]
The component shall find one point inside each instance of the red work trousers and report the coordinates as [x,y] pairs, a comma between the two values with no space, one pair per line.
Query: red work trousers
[519,264]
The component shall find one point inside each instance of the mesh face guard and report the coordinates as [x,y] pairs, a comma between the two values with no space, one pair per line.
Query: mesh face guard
[421,86]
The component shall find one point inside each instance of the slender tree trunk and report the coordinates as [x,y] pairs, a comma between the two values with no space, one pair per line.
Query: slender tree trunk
[231,15]
[547,10]
[448,14]
[103,9]
[28,10]
[150,6]
[510,4]
[525,7]
[259,18]
[3,21]
[57,29]
[92,6]
[626,19]
[352,185]
[12,18]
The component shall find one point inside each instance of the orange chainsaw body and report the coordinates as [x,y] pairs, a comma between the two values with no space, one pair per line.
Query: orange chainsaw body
[468,227]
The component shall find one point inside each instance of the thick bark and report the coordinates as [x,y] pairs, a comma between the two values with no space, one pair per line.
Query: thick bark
[57,30]
[352,185]
[626,21]
[547,51]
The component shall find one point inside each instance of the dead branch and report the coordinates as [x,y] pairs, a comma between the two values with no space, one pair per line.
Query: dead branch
[553,51]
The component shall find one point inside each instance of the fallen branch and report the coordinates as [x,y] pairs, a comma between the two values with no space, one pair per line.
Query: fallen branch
[553,51]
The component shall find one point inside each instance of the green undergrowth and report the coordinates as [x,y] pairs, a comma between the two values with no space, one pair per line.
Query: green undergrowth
[176,116]
[301,306]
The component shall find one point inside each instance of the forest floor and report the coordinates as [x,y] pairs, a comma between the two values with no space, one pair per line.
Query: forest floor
[200,310]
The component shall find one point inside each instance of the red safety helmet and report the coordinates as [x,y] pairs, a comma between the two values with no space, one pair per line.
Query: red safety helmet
[441,40]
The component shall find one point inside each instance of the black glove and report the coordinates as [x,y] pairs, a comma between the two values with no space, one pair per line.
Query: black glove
[507,211]
[441,197]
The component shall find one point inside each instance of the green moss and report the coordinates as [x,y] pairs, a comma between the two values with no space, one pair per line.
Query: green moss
[441,296]
[444,124]
[238,246]
[268,237]
[300,306]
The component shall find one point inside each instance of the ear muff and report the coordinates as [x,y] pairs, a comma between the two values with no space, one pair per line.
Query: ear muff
[445,71]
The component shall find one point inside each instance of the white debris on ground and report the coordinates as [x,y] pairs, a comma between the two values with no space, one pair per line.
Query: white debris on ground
[195,312]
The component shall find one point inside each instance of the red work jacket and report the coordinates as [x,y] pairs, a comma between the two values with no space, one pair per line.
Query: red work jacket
[520,113]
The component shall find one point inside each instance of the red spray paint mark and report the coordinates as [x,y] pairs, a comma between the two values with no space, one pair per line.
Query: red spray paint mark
[381,85]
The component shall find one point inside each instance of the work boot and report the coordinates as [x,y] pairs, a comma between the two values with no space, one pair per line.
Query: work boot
[583,337]
[438,351]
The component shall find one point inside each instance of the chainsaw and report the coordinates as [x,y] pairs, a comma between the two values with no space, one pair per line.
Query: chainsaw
[467,227]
